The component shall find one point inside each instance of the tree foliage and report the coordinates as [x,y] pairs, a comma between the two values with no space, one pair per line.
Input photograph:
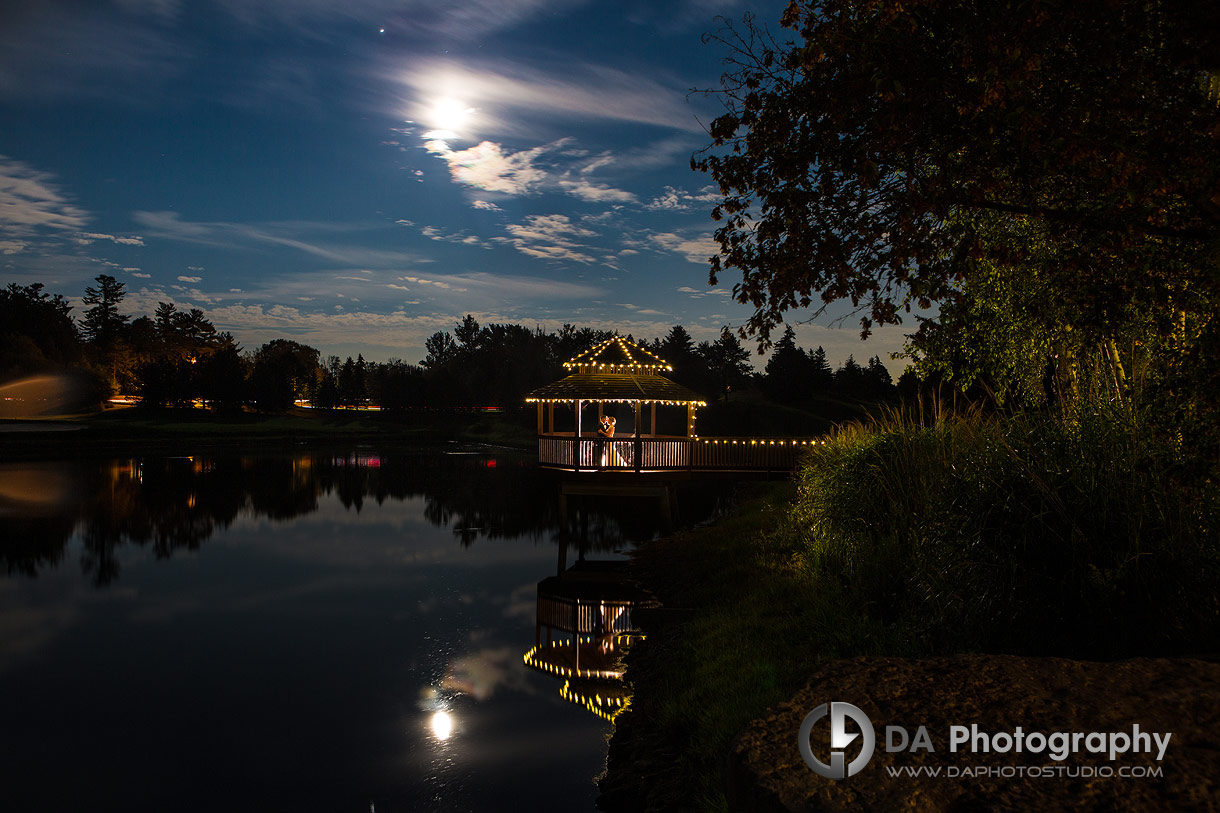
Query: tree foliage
[889,151]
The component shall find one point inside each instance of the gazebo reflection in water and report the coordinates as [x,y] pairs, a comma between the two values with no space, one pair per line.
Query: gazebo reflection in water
[585,612]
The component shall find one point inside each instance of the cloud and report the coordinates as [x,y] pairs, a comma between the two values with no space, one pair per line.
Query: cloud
[469,20]
[596,193]
[550,237]
[297,235]
[140,275]
[85,238]
[578,90]
[488,167]
[486,205]
[87,51]
[695,250]
[423,281]
[167,9]
[190,279]
[32,203]
[440,235]
[479,674]
[675,199]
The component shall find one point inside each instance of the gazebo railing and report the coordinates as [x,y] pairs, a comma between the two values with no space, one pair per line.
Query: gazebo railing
[672,453]
[652,453]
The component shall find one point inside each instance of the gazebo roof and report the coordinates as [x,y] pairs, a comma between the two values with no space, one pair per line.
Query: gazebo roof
[615,387]
[616,370]
[617,355]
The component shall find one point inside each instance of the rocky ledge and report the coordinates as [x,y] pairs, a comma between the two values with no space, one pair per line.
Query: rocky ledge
[998,693]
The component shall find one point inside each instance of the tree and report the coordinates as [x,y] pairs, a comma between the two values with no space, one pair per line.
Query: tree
[36,331]
[103,324]
[283,371]
[467,333]
[789,372]
[441,350]
[820,374]
[678,348]
[727,360]
[878,382]
[850,378]
[889,149]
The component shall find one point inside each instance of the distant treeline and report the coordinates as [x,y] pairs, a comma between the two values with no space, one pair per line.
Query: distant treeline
[178,358]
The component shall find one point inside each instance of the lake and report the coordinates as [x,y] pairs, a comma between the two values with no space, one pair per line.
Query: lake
[306,632]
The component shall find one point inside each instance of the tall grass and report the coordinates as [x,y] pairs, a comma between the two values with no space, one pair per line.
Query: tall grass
[1031,533]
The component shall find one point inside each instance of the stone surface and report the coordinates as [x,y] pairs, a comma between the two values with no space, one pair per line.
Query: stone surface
[999,693]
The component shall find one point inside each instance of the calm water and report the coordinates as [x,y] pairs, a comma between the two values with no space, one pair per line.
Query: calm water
[291,633]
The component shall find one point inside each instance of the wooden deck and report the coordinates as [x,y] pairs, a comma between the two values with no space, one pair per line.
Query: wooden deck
[648,454]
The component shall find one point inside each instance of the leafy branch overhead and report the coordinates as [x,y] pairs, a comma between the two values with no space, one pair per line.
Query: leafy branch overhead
[884,150]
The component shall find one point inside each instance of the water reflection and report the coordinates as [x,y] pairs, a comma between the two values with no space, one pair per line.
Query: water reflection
[298,632]
[174,504]
[585,612]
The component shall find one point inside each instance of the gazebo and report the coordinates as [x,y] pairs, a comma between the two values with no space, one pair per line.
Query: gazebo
[628,378]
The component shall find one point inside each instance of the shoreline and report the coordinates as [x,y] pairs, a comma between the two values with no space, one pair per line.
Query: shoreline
[130,431]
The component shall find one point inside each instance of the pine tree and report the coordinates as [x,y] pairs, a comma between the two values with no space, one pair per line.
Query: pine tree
[102,323]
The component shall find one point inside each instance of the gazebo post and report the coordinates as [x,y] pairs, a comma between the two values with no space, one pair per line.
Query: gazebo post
[690,431]
[576,456]
[550,415]
[654,419]
[639,445]
[540,427]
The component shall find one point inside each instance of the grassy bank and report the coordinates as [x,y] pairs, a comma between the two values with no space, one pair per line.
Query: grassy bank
[136,431]
[1029,535]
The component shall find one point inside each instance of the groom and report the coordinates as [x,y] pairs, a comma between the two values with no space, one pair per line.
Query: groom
[604,430]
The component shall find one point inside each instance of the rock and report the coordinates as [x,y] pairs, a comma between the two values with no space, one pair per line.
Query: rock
[998,693]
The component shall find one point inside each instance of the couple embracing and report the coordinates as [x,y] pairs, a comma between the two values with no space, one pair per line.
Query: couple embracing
[605,435]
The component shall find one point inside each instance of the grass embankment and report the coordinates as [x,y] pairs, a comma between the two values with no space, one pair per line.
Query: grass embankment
[133,430]
[1026,535]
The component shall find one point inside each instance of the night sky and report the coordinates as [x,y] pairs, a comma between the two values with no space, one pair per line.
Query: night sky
[358,174]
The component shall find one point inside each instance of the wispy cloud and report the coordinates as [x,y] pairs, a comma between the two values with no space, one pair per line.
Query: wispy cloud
[299,236]
[550,237]
[571,90]
[694,249]
[85,50]
[190,279]
[596,193]
[471,19]
[674,199]
[32,204]
[85,238]
[440,235]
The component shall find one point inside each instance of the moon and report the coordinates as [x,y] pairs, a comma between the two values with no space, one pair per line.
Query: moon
[449,114]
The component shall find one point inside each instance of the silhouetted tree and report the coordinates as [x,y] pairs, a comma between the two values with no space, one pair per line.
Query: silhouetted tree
[821,376]
[36,331]
[103,323]
[789,371]
[283,371]
[728,362]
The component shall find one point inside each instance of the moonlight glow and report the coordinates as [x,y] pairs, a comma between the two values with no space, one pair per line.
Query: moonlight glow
[449,114]
[442,725]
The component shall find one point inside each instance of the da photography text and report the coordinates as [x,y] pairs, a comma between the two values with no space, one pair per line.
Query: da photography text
[968,739]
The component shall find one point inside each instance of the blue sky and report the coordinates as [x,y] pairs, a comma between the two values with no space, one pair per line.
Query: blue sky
[358,174]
